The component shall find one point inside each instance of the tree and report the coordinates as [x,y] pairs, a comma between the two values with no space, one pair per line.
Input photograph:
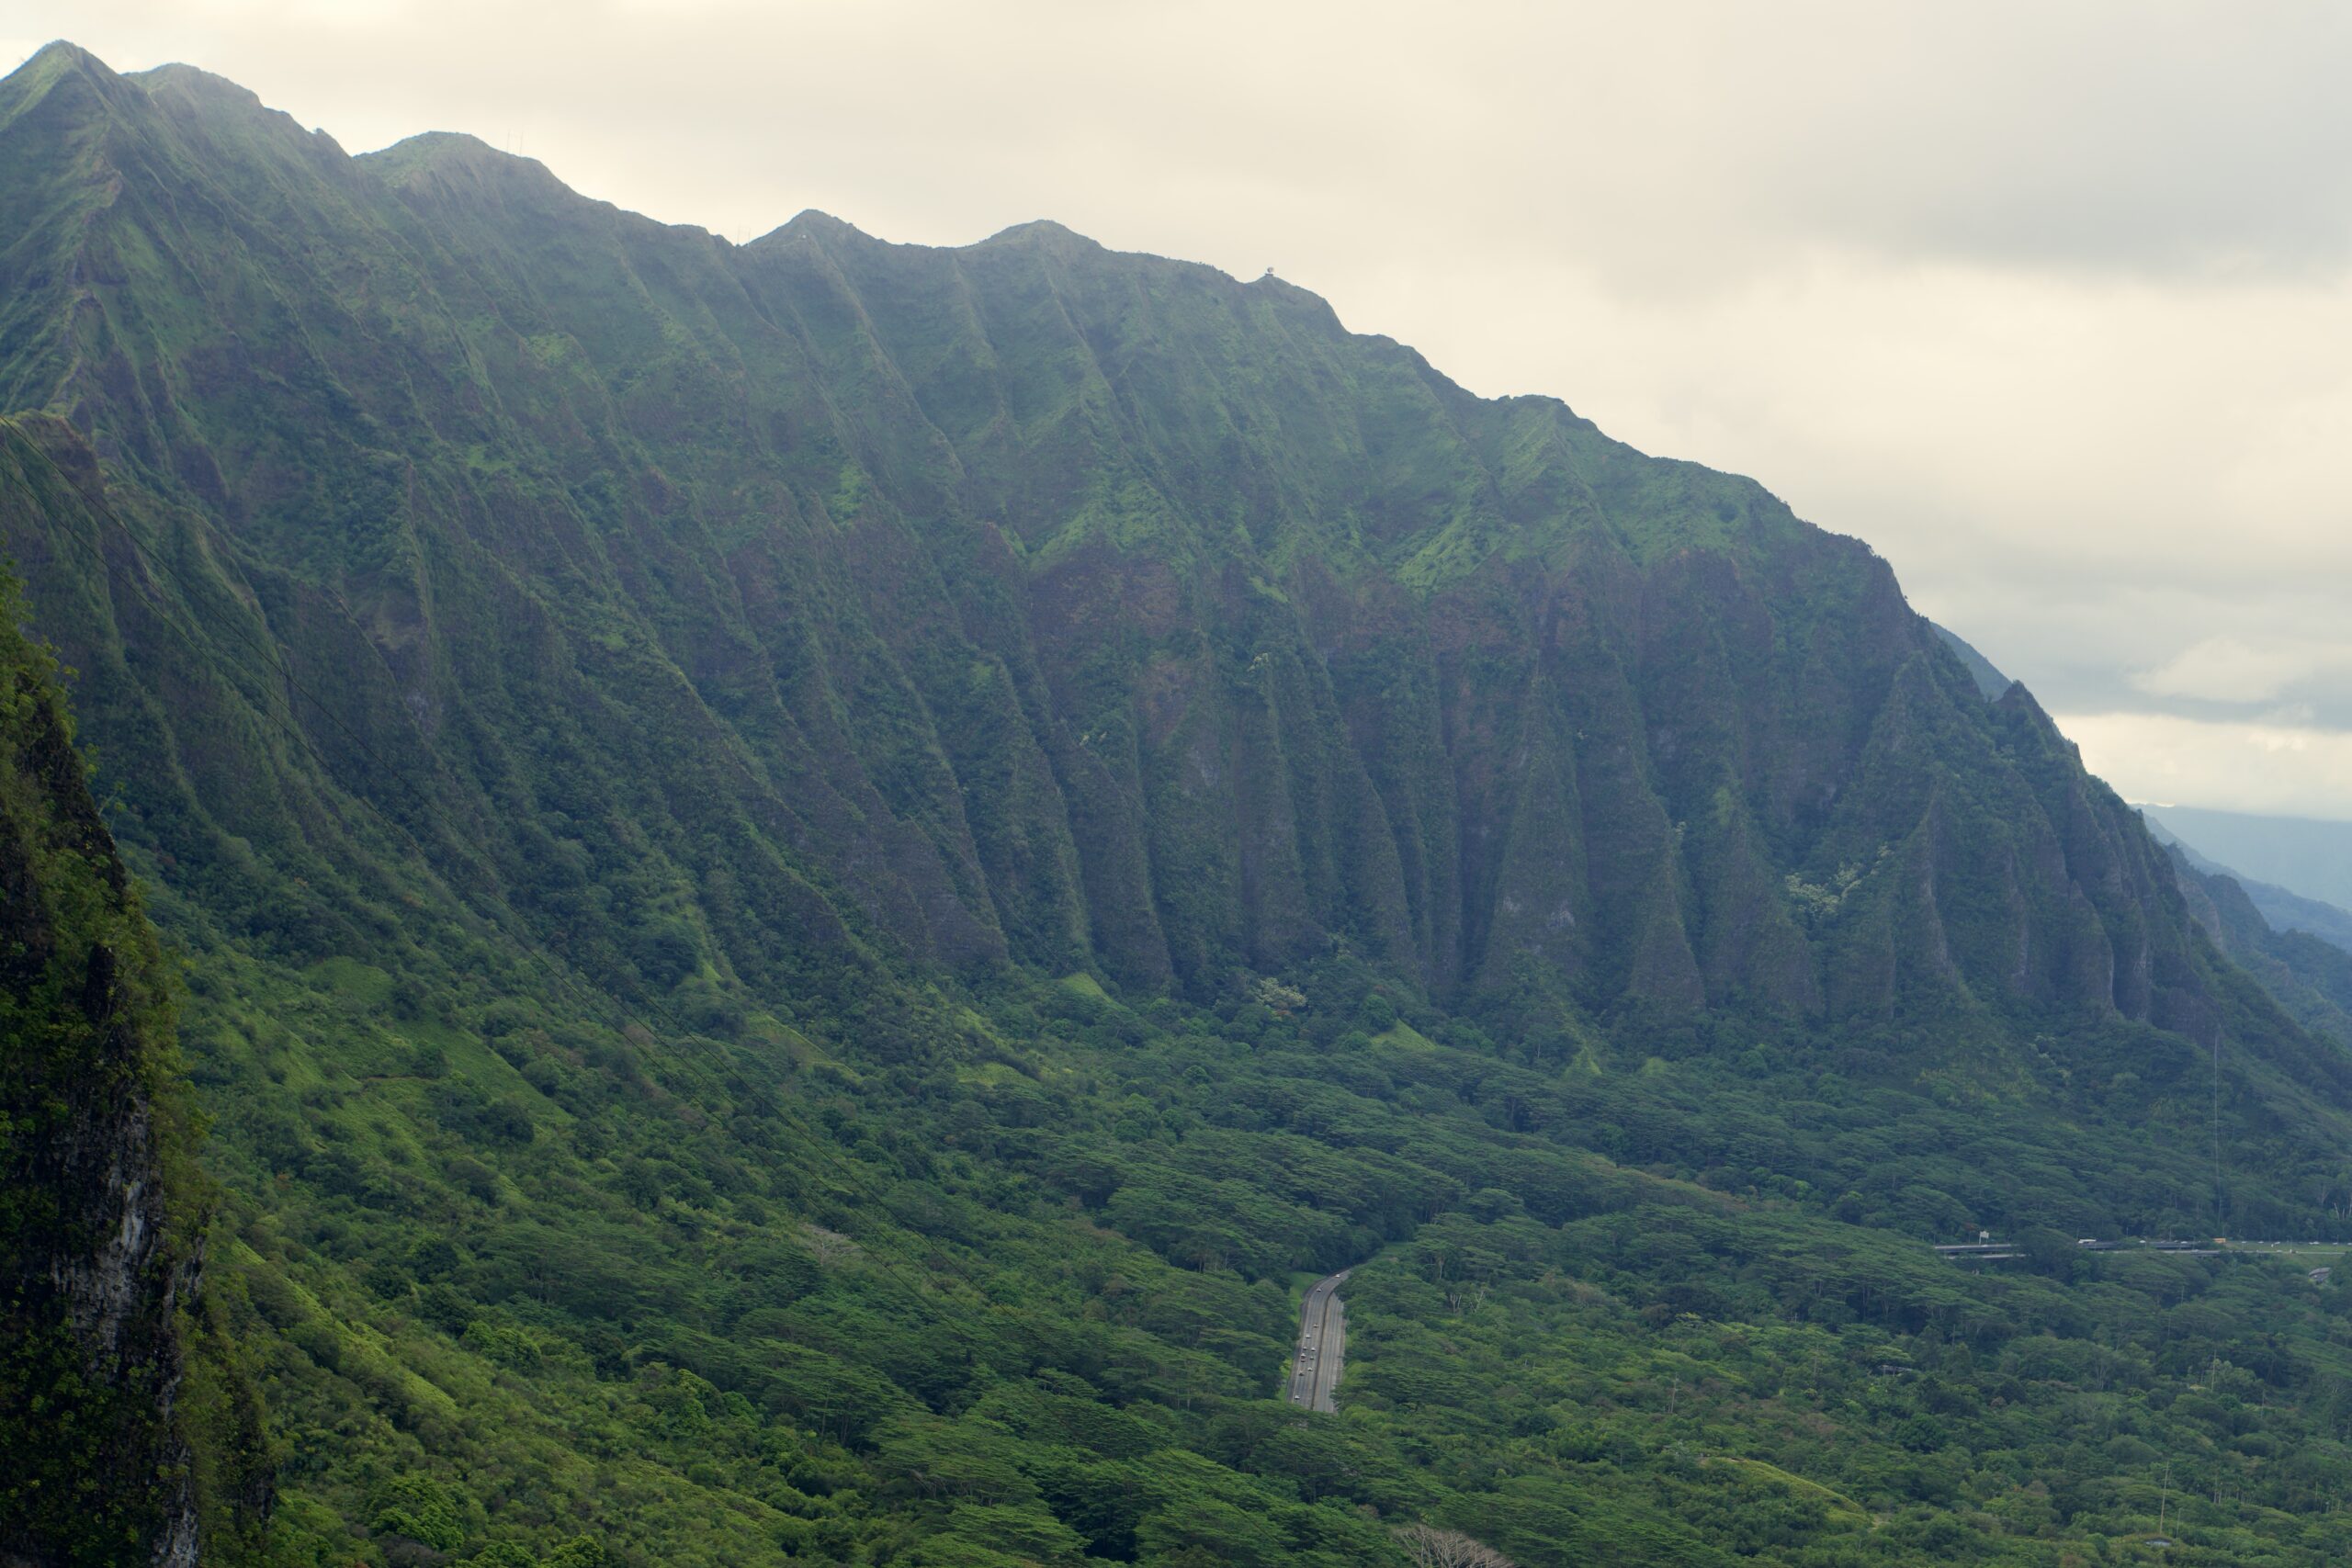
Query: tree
[1429,1547]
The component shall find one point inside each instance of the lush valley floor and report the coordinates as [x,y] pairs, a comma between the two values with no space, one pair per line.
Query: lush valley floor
[1014,1273]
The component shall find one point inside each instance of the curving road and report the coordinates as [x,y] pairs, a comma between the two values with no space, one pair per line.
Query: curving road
[1322,1345]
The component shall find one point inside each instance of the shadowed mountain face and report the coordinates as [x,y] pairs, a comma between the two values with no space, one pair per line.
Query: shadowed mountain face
[788,605]
[129,1431]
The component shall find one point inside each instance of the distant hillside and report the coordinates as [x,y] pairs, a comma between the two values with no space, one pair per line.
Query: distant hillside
[2310,977]
[1989,681]
[2297,871]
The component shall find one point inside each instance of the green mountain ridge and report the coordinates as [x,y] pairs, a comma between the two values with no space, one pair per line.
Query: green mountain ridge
[1385,659]
[810,871]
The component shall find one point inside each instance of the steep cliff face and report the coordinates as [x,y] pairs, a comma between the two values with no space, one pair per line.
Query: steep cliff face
[100,1218]
[1026,600]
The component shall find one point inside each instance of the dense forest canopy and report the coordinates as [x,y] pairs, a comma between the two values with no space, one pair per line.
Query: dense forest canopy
[814,877]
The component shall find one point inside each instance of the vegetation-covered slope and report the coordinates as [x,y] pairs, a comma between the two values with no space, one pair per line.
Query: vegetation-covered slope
[2306,863]
[812,871]
[1097,610]
[129,1430]
[2310,976]
[2281,910]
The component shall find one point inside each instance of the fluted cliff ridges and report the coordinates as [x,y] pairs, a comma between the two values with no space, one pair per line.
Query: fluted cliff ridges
[1023,601]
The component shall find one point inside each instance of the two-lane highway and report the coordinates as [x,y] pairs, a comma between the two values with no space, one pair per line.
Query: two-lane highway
[1322,1345]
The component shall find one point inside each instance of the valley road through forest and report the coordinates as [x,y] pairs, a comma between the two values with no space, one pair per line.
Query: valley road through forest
[1322,1345]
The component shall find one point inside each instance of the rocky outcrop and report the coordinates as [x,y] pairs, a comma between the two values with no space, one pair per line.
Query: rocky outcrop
[100,1252]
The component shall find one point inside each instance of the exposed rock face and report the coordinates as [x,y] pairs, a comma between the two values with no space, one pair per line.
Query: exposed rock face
[98,1256]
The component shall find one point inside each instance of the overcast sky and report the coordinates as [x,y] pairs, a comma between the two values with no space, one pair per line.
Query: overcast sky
[2050,303]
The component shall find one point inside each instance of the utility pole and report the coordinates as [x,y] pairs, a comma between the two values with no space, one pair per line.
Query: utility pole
[2218,1218]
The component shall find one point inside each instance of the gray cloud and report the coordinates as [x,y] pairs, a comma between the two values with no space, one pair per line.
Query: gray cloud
[2224,670]
[2045,301]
